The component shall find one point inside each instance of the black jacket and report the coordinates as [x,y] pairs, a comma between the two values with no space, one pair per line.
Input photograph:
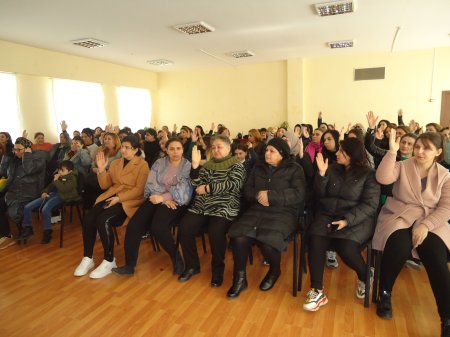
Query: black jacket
[273,224]
[352,195]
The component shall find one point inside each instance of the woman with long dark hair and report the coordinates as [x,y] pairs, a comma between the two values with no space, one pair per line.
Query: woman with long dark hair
[123,186]
[346,204]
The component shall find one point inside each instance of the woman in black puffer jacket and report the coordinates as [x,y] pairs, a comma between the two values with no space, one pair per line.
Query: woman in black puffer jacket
[275,189]
[347,196]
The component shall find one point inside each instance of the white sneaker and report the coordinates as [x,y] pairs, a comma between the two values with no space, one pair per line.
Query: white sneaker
[85,265]
[103,269]
[361,286]
[331,259]
[314,300]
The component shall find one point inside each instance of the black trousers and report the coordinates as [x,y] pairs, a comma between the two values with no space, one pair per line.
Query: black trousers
[348,250]
[101,220]
[161,219]
[4,222]
[242,245]
[217,227]
[433,254]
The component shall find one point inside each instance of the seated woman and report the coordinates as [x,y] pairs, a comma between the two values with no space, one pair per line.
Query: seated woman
[26,179]
[218,184]
[124,184]
[168,192]
[275,191]
[79,156]
[6,146]
[415,220]
[254,137]
[346,204]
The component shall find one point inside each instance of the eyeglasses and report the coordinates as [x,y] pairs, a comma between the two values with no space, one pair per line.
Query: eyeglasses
[18,150]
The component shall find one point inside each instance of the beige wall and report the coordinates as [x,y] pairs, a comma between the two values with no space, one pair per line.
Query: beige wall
[35,68]
[240,97]
[329,87]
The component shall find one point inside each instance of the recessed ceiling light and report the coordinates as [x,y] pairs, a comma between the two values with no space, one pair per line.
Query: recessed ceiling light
[336,7]
[160,62]
[194,28]
[341,44]
[89,43]
[241,53]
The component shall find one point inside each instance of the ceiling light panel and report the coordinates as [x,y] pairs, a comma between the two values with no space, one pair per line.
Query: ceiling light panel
[160,62]
[341,44]
[195,28]
[336,7]
[89,43]
[241,53]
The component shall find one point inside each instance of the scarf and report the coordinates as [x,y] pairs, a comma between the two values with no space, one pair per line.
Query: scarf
[312,149]
[221,164]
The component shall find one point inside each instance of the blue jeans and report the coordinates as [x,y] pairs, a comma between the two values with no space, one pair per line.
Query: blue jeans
[45,205]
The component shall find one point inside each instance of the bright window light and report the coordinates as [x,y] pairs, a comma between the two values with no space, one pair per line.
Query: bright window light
[80,104]
[9,106]
[135,107]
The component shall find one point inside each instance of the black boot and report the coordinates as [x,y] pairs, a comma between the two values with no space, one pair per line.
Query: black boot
[178,264]
[47,237]
[445,328]
[239,284]
[269,280]
[26,233]
[384,306]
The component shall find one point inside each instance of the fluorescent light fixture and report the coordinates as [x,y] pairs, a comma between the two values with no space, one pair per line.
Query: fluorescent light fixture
[160,62]
[336,7]
[341,44]
[241,53]
[89,43]
[194,28]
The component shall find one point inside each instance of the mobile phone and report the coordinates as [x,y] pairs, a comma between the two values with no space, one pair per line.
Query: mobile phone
[106,203]
[332,227]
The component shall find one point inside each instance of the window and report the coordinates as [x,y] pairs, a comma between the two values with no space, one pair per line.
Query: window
[9,106]
[80,104]
[135,107]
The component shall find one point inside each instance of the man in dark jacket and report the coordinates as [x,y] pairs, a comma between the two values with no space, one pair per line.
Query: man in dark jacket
[26,175]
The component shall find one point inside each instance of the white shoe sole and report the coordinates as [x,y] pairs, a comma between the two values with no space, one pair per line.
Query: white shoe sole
[322,302]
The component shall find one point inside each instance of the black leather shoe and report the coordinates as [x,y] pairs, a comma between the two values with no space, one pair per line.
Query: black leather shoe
[445,330]
[269,281]
[124,270]
[187,274]
[384,306]
[239,284]
[216,281]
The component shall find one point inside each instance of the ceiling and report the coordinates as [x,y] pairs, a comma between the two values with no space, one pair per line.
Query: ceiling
[141,30]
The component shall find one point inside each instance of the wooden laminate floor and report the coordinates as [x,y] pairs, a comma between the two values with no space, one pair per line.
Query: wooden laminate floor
[39,296]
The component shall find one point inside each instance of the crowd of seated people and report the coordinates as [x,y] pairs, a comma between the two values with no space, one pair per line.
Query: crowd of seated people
[390,183]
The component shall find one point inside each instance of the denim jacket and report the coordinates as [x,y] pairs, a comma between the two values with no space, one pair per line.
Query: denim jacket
[181,192]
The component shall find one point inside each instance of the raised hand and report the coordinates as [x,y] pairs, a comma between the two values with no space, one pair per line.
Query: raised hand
[372,120]
[196,157]
[25,134]
[300,148]
[400,112]
[394,143]
[175,128]
[320,114]
[101,161]
[63,125]
[322,165]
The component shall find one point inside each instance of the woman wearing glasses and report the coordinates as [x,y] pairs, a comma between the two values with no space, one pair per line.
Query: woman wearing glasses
[124,184]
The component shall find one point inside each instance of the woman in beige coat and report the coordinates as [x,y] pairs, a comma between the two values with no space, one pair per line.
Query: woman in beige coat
[124,185]
[415,220]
